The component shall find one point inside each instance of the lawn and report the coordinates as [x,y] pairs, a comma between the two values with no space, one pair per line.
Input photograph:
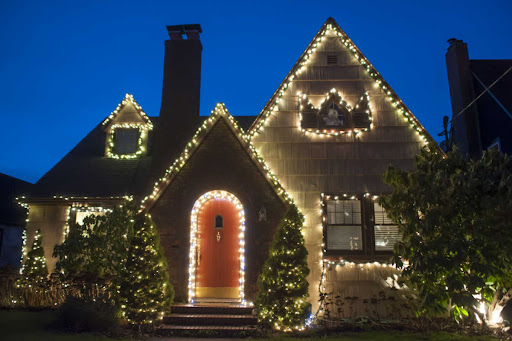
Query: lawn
[24,325]
[392,336]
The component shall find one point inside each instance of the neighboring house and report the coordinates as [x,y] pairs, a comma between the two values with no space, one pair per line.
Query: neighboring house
[481,101]
[218,186]
[12,220]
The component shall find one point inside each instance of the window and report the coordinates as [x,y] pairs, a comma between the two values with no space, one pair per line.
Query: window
[357,228]
[126,141]
[344,228]
[386,232]
[219,222]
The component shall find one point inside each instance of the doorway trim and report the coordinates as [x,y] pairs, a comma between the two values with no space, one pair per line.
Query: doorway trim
[192,267]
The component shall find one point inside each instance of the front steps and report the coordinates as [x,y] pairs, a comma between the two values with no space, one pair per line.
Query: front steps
[210,318]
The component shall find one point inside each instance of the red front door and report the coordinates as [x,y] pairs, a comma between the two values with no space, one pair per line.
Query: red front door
[218,264]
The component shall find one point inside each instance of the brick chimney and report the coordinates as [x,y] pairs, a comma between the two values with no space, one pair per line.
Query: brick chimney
[466,128]
[179,111]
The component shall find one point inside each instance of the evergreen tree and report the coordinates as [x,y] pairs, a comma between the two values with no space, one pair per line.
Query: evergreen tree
[146,292]
[35,271]
[283,288]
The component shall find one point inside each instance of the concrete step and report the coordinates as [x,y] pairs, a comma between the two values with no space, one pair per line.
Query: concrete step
[224,309]
[210,320]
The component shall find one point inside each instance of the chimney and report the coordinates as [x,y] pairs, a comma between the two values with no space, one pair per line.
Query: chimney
[466,130]
[179,111]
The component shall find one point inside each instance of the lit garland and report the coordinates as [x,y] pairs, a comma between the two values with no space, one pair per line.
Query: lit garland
[141,148]
[215,195]
[218,111]
[111,129]
[300,66]
[34,270]
[304,101]
[128,98]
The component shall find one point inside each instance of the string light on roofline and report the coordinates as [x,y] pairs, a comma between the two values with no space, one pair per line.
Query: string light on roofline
[304,60]
[219,110]
[128,98]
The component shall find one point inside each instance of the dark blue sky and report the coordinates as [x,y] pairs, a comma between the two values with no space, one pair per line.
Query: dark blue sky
[65,65]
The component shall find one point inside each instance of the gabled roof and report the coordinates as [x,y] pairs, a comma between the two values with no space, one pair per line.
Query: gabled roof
[219,113]
[122,107]
[296,70]
[10,212]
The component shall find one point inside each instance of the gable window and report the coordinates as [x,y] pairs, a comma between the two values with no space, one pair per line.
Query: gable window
[126,141]
[385,231]
[344,227]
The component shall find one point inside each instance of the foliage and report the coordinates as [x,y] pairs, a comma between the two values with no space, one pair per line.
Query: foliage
[35,271]
[146,291]
[97,249]
[455,216]
[87,315]
[283,288]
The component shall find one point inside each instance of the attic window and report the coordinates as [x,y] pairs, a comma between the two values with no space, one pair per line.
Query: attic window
[332,60]
[126,141]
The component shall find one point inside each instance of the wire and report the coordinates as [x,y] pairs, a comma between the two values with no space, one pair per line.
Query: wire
[483,92]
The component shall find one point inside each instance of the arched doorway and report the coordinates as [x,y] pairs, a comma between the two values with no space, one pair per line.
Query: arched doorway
[217,247]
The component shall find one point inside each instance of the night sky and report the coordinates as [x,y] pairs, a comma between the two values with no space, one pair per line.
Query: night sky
[65,65]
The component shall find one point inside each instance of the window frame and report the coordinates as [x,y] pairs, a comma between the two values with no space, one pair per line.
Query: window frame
[368,252]
[380,252]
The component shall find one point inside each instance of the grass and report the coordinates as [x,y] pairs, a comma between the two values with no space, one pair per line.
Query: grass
[26,325]
[391,336]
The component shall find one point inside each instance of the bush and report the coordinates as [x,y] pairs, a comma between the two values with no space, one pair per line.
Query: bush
[86,315]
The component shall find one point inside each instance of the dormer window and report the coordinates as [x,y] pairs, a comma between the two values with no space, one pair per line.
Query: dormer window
[126,141]
[127,130]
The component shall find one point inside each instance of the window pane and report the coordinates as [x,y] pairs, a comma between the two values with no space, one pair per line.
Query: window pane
[344,238]
[380,215]
[344,212]
[127,141]
[80,215]
[385,237]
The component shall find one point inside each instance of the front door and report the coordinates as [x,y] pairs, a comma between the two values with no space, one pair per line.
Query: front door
[217,257]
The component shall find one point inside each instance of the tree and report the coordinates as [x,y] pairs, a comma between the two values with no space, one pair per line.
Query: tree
[455,217]
[97,249]
[146,292]
[283,288]
[35,271]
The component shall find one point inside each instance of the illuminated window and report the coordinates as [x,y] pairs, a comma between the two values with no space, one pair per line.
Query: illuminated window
[126,141]
[80,215]
[344,227]
[386,232]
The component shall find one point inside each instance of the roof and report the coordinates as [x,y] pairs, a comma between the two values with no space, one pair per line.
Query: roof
[219,113]
[10,212]
[86,172]
[372,71]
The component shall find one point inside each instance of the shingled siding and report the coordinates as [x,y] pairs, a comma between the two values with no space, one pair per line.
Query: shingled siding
[51,220]
[219,163]
[309,164]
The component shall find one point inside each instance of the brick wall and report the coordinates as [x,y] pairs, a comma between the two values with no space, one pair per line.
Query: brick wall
[219,163]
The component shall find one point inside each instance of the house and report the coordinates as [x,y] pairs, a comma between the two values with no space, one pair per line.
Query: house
[481,102]
[216,187]
[12,221]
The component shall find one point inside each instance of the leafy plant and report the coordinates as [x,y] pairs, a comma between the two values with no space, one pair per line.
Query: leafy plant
[455,216]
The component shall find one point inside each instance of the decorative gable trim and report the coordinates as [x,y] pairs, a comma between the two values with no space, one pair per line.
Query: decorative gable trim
[335,97]
[128,98]
[303,61]
[219,112]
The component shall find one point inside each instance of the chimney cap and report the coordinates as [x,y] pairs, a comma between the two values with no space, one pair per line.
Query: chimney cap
[453,41]
[184,28]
